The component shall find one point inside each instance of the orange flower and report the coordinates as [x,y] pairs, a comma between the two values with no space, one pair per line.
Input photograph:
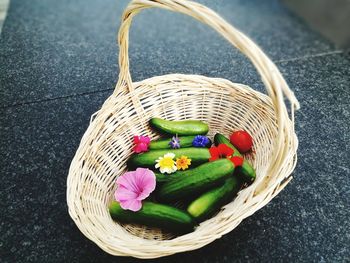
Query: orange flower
[183,162]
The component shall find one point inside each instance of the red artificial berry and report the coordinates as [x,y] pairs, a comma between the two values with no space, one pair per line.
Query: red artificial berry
[242,141]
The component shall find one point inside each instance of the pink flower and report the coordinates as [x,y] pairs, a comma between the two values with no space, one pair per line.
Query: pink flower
[141,143]
[133,187]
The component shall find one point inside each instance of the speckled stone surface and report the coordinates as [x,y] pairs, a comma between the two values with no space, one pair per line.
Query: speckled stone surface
[58,48]
[307,222]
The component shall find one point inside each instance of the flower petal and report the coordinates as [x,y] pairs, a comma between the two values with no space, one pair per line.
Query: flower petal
[163,170]
[130,181]
[237,161]
[140,147]
[224,150]
[133,204]
[147,179]
[200,141]
[214,153]
[145,139]
[124,180]
[142,196]
[122,194]
[136,139]
[143,147]
[170,155]
[168,170]
[175,142]
[137,148]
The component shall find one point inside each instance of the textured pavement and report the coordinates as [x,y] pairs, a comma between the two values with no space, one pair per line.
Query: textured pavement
[58,63]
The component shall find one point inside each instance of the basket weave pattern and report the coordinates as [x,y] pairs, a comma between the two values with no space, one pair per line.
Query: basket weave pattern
[225,106]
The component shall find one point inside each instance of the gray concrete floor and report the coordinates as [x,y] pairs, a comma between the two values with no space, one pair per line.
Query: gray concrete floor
[58,64]
[331,18]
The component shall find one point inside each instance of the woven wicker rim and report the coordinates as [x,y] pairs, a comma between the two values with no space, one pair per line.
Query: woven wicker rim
[106,145]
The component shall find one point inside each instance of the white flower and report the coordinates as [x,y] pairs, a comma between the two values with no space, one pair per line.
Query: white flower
[166,163]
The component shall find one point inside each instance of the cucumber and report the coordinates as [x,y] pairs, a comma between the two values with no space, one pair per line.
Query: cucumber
[187,127]
[154,215]
[148,159]
[196,181]
[246,171]
[162,178]
[210,202]
[185,142]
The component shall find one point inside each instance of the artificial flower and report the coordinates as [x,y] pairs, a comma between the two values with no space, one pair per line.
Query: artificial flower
[237,160]
[200,141]
[183,162]
[166,163]
[221,151]
[175,142]
[133,187]
[141,143]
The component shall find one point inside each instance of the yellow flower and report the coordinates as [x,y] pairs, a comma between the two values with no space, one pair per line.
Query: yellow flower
[183,162]
[166,164]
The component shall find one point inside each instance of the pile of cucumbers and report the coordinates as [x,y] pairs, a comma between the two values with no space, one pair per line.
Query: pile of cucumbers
[203,189]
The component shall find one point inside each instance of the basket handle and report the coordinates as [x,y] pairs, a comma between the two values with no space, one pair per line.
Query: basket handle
[275,84]
[270,75]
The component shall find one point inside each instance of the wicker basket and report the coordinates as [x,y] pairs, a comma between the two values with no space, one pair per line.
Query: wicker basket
[225,106]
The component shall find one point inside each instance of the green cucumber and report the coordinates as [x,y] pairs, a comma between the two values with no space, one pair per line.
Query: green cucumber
[148,159]
[246,171]
[187,127]
[210,202]
[162,178]
[154,215]
[185,142]
[197,180]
